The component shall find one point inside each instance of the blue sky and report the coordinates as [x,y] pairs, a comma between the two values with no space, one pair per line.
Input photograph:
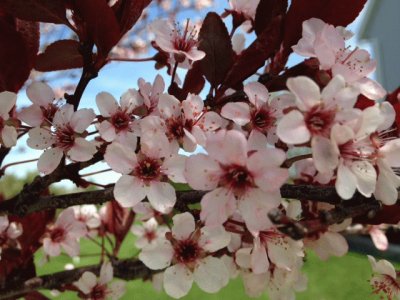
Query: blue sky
[116,78]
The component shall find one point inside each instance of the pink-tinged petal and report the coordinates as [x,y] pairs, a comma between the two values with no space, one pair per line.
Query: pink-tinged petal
[199,135]
[214,238]
[81,119]
[32,115]
[211,274]
[387,184]
[116,290]
[70,246]
[306,91]
[183,226]
[243,258]
[379,238]
[40,93]
[202,172]
[107,131]
[255,284]
[211,121]
[157,256]
[272,179]
[257,161]
[391,152]
[346,182]
[370,121]
[7,100]
[341,134]
[259,258]
[382,267]
[50,248]
[371,89]
[257,141]
[174,166]
[389,115]
[120,158]
[192,106]
[82,150]
[178,281]
[194,54]
[87,281]
[127,139]
[40,138]
[49,160]
[336,244]
[217,206]
[130,100]
[161,196]
[254,208]
[238,112]
[346,98]
[157,146]
[366,177]
[238,42]
[107,104]
[325,154]
[311,28]
[189,141]
[292,128]
[9,136]
[228,147]
[334,86]
[257,93]
[169,106]
[284,252]
[63,115]
[106,273]
[129,191]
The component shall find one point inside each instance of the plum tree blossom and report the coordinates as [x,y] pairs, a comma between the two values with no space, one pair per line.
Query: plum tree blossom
[148,234]
[385,278]
[8,133]
[187,255]
[9,232]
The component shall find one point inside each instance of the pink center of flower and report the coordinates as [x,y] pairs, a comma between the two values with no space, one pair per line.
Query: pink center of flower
[237,178]
[262,119]
[184,42]
[176,127]
[99,292]
[57,235]
[49,112]
[148,169]
[120,120]
[187,251]
[150,235]
[65,137]
[385,284]
[319,120]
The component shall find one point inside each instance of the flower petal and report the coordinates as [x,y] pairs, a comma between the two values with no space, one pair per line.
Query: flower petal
[178,281]
[81,119]
[120,158]
[306,91]
[49,160]
[217,206]
[292,128]
[161,196]
[238,112]
[211,274]
[107,104]
[82,150]
[157,256]
[40,93]
[202,172]
[183,226]
[129,191]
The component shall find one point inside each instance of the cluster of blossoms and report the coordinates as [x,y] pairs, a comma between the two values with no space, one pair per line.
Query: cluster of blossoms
[235,156]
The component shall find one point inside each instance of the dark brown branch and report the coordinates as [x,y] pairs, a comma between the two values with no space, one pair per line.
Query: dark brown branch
[128,269]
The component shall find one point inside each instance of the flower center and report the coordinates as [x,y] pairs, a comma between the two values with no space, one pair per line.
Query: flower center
[237,178]
[65,137]
[150,235]
[262,119]
[57,235]
[176,127]
[148,169]
[320,120]
[186,41]
[120,120]
[98,292]
[187,251]
[49,112]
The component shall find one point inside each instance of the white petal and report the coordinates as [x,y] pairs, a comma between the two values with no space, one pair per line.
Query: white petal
[391,152]
[40,93]
[202,172]
[346,182]
[157,256]
[192,106]
[257,93]
[120,158]
[370,88]
[169,106]
[292,128]
[238,112]
[107,104]
[107,131]
[259,258]
[7,100]
[382,267]
[366,177]
[63,115]
[228,147]
[173,167]
[178,281]
[306,91]
[106,273]
[161,196]
[9,136]
[211,274]
[40,138]
[129,191]
[334,86]
[49,160]
[32,115]
[217,206]
[183,226]
[81,119]
[82,150]
[214,238]
[87,281]
[325,154]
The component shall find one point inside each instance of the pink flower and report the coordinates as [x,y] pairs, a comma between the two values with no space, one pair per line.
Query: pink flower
[151,93]
[9,232]
[88,214]
[237,178]
[316,114]
[187,255]
[93,288]
[64,234]
[243,10]
[8,134]
[44,106]
[119,124]
[261,115]
[66,136]
[149,233]
[171,40]
[145,174]
[385,278]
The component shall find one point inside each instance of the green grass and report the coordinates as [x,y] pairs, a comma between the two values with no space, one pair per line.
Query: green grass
[337,279]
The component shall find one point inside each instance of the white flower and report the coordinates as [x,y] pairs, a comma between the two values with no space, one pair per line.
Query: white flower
[385,278]
[8,134]
[149,233]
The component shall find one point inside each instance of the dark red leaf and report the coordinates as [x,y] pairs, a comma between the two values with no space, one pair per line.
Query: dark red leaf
[15,267]
[394,99]
[51,11]
[216,43]
[60,55]
[30,33]
[388,215]
[266,11]
[35,295]
[335,12]
[128,12]
[118,221]
[255,55]
[194,83]
[97,24]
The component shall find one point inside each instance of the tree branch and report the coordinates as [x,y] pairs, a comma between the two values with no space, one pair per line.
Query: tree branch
[127,269]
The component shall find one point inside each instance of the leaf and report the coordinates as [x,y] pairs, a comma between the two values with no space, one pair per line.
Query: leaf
[216,43]
[194,83]
[98,24]
[15,267]
[61,55]
[118,221]
[50,11]
[30,33]
[389,214]
[128,13]
[266,11]
[15,56]
[254,57]
[335,12]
